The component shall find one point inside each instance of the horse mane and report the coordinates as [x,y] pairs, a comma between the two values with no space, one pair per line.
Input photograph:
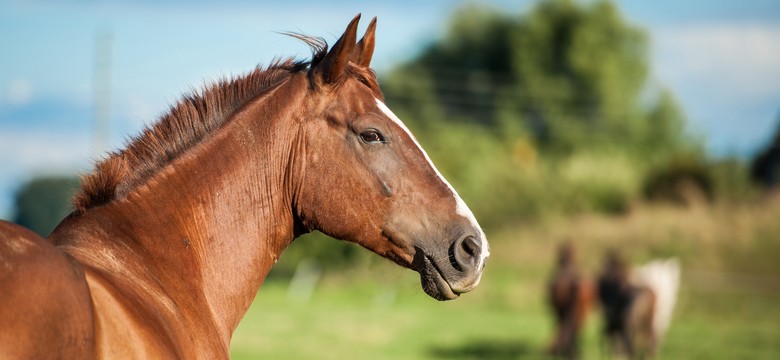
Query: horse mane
[192,119]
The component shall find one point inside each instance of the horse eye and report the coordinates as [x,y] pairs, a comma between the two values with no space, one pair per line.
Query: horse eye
[371,136]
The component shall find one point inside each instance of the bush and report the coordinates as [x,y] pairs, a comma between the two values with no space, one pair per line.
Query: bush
[43,202]
[683,180]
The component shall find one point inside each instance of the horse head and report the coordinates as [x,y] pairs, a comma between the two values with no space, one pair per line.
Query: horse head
[367,180]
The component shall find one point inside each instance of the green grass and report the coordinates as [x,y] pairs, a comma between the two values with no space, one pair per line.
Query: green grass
[729,304]
[367,321]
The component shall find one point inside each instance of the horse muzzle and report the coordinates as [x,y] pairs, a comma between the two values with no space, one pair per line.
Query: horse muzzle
[446,274]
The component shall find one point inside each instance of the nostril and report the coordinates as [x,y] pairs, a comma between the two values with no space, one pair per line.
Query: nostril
[466,253]
[470,246]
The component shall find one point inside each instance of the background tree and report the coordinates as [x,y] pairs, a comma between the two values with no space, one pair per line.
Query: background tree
[765,168]
[544,111]
[43,202]
[568,74]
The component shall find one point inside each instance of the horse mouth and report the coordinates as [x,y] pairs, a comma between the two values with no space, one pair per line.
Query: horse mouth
[433,282]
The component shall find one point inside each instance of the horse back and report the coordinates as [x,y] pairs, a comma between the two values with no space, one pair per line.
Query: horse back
[45,306]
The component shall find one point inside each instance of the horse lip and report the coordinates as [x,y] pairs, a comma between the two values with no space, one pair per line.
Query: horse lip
[445,290]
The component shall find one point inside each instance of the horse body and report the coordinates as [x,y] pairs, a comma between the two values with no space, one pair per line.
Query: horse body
[637,305]
[571,297]
[163,282]
[46,307]
[173,236]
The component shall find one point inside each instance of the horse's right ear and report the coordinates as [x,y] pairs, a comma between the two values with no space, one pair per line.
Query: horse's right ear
[335,61]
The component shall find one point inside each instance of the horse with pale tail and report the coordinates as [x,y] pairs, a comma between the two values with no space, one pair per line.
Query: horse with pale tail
[637,304]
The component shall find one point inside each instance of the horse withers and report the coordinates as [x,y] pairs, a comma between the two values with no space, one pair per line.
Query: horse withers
[172,236]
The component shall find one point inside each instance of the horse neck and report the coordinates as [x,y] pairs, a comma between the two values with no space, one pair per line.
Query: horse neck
[211,224]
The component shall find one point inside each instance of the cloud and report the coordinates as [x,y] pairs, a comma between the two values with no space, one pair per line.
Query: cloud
[738,58]
[727,76]
[19,92]
[44,151]
[137,111]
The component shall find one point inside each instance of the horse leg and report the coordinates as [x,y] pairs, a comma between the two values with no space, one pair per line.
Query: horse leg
[566,339]
[627,342]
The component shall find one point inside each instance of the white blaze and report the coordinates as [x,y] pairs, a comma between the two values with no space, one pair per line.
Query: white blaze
[460,206]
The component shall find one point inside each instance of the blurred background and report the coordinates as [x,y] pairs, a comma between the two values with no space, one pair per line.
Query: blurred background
[651,128]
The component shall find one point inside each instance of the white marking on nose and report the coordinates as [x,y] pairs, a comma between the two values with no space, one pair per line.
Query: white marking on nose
[460,206]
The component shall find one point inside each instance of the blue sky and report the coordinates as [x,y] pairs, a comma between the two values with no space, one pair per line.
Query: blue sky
[721,58]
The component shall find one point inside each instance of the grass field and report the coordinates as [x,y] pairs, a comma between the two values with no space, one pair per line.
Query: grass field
[728,308]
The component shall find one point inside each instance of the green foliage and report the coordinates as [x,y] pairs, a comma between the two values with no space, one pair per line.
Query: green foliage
[685,179]
[570,75]
[663,131]
[688,178]
[325,252]
[544,112]
[43,202]
[579,70]
[732,180]
[765,167]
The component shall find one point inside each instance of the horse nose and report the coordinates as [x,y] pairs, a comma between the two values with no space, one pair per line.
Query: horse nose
[467,251]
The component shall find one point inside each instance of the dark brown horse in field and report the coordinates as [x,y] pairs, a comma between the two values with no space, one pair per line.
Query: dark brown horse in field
[172,236]
[571,295]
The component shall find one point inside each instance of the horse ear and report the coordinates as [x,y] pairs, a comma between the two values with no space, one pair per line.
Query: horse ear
[364,50]
[335,61]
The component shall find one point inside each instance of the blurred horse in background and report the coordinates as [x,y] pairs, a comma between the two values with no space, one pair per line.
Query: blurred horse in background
[571,296]
[637,305]
[172,236]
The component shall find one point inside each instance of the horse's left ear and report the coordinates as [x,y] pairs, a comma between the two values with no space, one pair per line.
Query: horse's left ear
[362,53]
[332,66]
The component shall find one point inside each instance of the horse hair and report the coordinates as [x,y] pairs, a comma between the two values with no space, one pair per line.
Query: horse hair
[192,119]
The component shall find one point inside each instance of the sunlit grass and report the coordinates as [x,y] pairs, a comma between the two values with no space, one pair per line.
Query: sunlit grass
[728,306]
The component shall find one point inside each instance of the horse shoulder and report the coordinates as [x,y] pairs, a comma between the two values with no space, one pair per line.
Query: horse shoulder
[134,318]
[45,307]
[122,330]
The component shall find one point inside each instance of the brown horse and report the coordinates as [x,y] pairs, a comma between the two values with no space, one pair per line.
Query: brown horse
[571,296]
[173,235]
